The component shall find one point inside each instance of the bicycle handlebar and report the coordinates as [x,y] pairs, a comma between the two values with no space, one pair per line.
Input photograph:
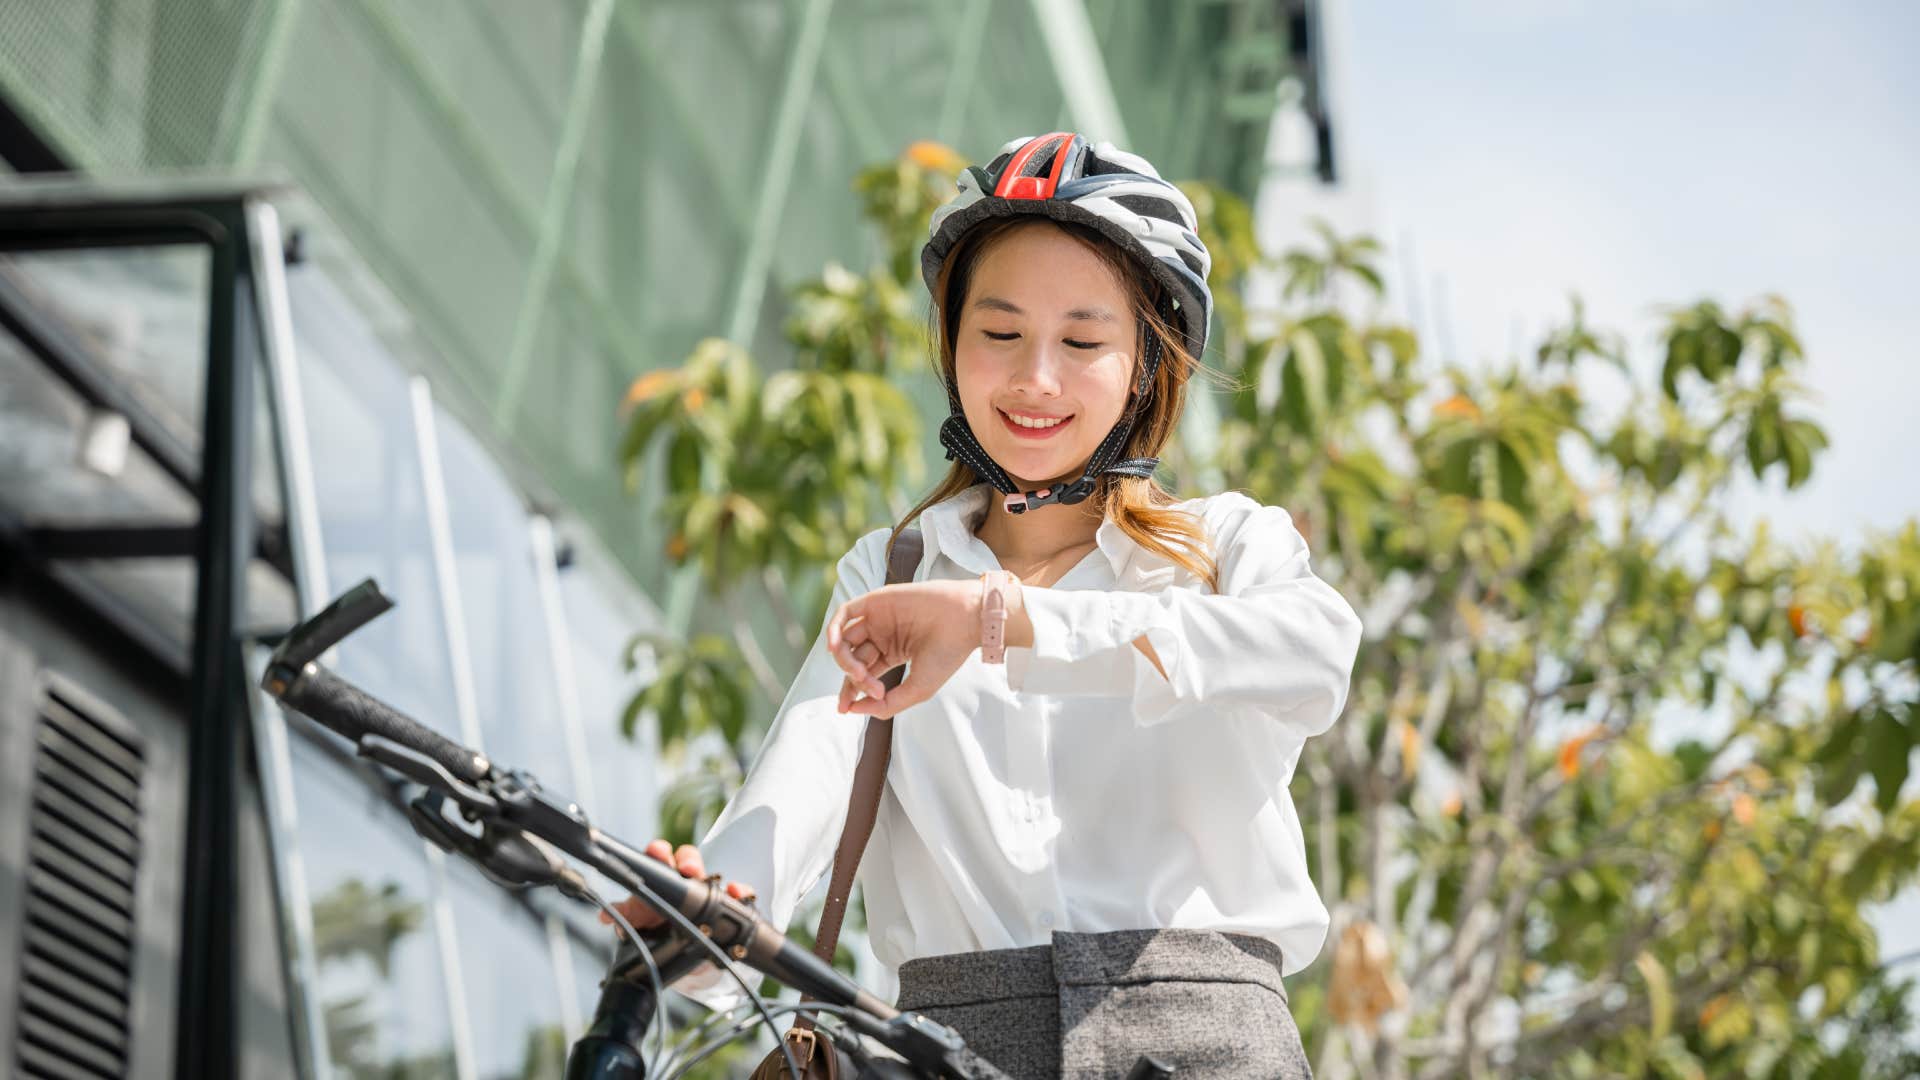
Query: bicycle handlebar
[520,822]
[356,714]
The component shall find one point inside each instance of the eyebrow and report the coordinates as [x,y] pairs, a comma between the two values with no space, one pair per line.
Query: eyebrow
[1080,314]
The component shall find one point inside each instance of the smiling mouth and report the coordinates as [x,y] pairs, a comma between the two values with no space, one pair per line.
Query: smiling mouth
[1046,429]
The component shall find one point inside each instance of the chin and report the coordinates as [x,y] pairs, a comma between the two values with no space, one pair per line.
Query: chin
[1050,473]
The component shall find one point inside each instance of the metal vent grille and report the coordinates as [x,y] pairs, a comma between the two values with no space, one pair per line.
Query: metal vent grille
[83,852]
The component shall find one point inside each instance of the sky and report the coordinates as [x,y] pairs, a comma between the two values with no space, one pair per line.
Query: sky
[1647,154]
[1511,152]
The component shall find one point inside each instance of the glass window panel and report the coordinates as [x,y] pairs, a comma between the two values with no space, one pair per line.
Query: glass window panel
[43,475]
[380,982]
[142,313]
[602,616]
[513,995]
[506,629]
[50,478]
[372,502]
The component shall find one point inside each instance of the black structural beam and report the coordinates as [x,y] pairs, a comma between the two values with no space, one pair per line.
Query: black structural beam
[22,146]
[208,1036]
[134,540]
[206,1023]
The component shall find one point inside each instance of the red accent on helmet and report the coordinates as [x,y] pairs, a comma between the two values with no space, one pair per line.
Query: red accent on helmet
[1014,185]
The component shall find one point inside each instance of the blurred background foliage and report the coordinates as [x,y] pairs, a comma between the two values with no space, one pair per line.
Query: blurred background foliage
[1619,773]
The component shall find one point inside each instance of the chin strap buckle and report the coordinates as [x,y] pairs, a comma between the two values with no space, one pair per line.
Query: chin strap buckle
[1064,494]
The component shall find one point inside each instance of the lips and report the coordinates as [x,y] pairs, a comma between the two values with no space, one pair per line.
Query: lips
[1019,431]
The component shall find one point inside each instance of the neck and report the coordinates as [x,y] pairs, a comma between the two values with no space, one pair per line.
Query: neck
[1037,535]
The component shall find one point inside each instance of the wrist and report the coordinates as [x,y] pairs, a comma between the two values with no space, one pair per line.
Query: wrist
[993,602]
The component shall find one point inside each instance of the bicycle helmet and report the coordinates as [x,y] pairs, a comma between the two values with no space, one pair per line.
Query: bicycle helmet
[1120,195]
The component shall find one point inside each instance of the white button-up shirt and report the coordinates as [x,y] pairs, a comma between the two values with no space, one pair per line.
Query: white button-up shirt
[1074,788]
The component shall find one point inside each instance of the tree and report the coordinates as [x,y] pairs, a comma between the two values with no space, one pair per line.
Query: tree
[1582,801]
[1617,776]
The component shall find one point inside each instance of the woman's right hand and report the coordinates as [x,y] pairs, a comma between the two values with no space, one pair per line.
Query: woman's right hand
[687,860]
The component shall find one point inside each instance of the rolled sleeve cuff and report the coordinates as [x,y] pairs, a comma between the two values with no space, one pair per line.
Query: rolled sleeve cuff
[1082,642]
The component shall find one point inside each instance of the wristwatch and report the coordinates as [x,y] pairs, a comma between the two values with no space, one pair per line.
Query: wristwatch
[993,615]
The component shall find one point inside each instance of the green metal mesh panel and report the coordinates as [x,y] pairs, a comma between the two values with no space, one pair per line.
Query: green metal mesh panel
[132,83]
[429,131]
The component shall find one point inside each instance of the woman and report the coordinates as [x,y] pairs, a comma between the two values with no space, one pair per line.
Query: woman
[1087,852]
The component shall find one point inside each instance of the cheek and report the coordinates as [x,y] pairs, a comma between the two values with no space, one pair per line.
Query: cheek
[1107,383]
[972,375]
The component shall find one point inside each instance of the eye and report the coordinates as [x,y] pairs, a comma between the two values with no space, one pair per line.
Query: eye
[999,337]
[1072,344]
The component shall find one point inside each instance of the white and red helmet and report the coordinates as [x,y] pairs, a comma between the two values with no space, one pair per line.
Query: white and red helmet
[1120,195]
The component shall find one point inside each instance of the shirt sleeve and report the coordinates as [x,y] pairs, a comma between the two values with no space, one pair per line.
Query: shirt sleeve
[1275,638]
[778,833]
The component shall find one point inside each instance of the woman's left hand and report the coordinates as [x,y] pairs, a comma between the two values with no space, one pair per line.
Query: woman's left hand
[933,624]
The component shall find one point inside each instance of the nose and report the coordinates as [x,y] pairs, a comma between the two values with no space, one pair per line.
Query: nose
[1036,370]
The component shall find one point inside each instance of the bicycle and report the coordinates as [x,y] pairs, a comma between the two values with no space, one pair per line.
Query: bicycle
[520,835]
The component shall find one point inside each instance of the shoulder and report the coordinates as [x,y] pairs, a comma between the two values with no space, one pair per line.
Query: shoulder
[1234,518]
[864,566]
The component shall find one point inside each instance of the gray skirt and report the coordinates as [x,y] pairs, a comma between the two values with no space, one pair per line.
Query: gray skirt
[1089,1005]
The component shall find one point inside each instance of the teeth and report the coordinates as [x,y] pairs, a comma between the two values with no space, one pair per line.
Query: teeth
[1031,423]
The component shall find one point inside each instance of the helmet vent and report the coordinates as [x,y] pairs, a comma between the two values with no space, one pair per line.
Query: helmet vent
[1152,206]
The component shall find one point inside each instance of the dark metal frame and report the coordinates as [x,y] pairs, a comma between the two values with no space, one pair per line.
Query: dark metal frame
[222,543]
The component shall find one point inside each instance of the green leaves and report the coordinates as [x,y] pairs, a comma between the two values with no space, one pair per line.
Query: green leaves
[1705,340]
[1876,743]
[900,196]
[1561,584]
[785,471]
[1574,342]
[698,686]
[846,322]
[1316,274]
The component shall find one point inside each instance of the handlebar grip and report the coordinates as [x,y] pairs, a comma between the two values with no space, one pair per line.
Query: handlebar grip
[352,712]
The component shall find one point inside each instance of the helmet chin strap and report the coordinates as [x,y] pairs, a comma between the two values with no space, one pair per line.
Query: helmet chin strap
[958,438]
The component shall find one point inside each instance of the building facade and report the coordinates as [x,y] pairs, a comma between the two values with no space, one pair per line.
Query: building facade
[446,236]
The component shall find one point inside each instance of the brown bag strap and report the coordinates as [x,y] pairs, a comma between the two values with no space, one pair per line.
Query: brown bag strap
[869,779]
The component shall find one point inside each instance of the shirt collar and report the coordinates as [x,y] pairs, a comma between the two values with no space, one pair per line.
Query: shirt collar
[949,527]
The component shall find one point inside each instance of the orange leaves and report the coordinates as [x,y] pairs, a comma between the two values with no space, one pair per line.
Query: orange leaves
[1797,618]
[1744,808]
[935,157]
[1409,749]
[647,387]
[1365,984]
[1459,405]
[1570,751]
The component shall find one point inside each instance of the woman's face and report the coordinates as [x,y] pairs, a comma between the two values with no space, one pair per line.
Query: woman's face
[1044,357]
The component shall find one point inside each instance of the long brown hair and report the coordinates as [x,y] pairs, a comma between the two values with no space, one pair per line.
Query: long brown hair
[1140,506]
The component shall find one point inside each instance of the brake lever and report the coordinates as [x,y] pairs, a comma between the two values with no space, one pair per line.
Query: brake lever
[509,857]
[428,773]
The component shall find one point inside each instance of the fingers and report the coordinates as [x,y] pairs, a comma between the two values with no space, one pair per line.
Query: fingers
[859,661]
[848,612]
[849,641]
[686,859]
[909,693]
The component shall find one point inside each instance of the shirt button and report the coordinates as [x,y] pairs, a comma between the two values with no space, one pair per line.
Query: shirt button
[1046,920]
